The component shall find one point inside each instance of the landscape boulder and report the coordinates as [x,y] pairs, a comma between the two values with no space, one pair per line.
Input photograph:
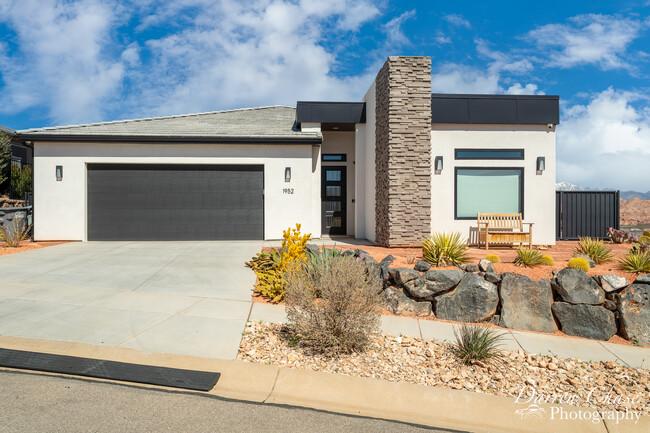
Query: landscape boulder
[486,266]
[526,304]
[469,267]
[643,279]
[422,266]
[384,265]
[398,303]
[440,281]
[584,320]
[313,249]
[492,277]
[576,287]
[402,276]
[634,309]
[611,283]
[473,300]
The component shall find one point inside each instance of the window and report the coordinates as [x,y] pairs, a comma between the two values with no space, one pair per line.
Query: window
[489,154]
[488,190]
[16,162]
[327,157]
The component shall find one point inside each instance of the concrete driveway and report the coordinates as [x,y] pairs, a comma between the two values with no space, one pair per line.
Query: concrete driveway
[190,298]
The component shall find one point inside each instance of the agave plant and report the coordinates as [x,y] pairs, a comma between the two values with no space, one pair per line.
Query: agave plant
[635,262]
[528,257]
[445,249]
[595,249]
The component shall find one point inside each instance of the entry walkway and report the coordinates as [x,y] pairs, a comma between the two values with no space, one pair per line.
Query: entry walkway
[542,344]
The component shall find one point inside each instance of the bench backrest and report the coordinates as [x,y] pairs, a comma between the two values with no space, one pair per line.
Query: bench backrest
[500,220]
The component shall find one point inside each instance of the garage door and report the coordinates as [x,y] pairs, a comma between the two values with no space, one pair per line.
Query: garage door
[175,202]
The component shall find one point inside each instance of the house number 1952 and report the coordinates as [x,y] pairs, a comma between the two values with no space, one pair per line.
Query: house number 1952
[287,190]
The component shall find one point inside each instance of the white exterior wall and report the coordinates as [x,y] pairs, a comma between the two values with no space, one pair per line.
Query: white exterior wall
[365,171]
[60,207]
[343,142]
[539,189]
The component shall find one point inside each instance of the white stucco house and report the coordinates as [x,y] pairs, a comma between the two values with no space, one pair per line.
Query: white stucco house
[392,168]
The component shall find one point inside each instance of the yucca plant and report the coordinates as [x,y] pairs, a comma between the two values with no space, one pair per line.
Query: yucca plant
[477,343]
[579,263]
[595,249]
[527,257]
[635,262]
[547,260]
[445,249]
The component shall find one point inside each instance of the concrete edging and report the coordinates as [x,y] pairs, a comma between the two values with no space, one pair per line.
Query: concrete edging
[437,407]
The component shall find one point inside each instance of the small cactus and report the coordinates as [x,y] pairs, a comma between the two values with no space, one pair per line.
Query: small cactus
[578,263]
[547,260]
[493,258]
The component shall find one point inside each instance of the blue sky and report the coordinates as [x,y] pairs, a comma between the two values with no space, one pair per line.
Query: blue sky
[65,62]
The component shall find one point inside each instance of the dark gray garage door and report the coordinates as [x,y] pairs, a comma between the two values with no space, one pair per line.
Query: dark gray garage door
[175,202]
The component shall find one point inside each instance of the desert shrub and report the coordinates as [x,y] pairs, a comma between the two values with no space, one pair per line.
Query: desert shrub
[493,258]
[21,181]
[527,257]
[323,255]
[547,260]
[642,244]
[578,263]
[595,249]
[332,305]
[635,262]
[13,232]
[477,343]
[445,249]
[271,281]
[619,236]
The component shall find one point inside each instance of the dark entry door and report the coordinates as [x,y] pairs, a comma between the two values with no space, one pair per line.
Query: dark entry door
[333,196]
[175,202]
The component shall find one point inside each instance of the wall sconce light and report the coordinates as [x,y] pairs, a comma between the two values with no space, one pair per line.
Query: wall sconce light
[437,165]
[541,164]
[59,173]
[287,174]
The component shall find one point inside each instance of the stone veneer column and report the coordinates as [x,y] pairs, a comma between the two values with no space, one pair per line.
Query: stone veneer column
[403,151]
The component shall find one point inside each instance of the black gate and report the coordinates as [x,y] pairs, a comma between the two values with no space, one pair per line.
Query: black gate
[586,213]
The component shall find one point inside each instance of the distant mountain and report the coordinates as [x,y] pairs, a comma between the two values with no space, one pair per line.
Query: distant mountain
[625,195]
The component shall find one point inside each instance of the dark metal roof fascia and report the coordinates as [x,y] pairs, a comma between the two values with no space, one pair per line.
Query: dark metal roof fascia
[330,112]
[495,109]
[170,139]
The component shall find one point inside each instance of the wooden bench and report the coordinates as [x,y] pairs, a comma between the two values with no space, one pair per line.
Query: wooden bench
[503,228]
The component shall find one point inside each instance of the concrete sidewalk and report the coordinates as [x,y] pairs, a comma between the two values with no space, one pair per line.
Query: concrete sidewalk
[542,344]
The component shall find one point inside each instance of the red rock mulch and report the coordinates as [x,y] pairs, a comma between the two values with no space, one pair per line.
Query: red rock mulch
[28,245]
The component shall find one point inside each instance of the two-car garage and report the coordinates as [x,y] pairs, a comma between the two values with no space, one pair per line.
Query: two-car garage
[175,202]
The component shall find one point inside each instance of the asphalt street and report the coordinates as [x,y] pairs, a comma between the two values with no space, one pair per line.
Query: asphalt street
[34,402]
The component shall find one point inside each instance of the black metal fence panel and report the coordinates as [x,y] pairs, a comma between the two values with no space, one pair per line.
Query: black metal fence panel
[586,213]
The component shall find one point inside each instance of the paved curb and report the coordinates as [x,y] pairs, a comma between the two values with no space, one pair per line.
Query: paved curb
[439,407]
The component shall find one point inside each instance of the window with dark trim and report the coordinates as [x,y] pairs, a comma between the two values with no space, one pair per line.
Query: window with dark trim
[331,157]
[489,154]
[488,190]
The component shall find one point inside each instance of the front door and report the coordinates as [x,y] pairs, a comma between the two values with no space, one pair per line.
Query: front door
[333,196]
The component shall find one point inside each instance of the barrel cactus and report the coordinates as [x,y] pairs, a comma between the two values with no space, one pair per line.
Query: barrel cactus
[493,258]
[578,263]
[547,260]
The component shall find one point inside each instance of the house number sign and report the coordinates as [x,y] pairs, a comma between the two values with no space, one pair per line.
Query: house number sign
[287,190]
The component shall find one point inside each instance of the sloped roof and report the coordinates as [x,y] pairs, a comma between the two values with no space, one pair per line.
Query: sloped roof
[273,124]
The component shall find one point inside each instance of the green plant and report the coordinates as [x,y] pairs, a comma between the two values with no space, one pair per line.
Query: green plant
[445,249]
[642,245]
[5,157]
[595,249]
[578,263]
[264,261]
[547,260]
[527,257]
[21,181]
[333,304]
[493,258]
[271,281]
[635,262]
[477,343]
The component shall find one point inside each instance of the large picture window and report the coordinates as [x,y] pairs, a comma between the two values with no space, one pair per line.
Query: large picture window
[488,190]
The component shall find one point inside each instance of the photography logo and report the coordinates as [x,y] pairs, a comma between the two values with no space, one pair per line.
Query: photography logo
[533,411]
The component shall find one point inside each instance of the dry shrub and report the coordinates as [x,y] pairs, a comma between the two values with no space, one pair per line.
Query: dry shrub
[333,304]
[13,232]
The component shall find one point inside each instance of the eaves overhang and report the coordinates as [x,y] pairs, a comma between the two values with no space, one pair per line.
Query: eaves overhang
[314,140]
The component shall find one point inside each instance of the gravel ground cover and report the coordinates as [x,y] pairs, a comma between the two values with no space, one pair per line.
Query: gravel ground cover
[604,386]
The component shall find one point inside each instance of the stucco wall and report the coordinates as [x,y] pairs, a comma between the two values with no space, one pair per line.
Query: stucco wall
[343,142]
[365,169]
[60,207]
[539,189]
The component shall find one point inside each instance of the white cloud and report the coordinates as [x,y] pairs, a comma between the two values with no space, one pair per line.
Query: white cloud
[457,20]
[442,39]
[587,39]
[528,89]
[606,142]
[394,31]
[456,78]
[61,63]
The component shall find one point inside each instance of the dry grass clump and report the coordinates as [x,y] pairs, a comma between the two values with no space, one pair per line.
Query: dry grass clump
[332,305]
